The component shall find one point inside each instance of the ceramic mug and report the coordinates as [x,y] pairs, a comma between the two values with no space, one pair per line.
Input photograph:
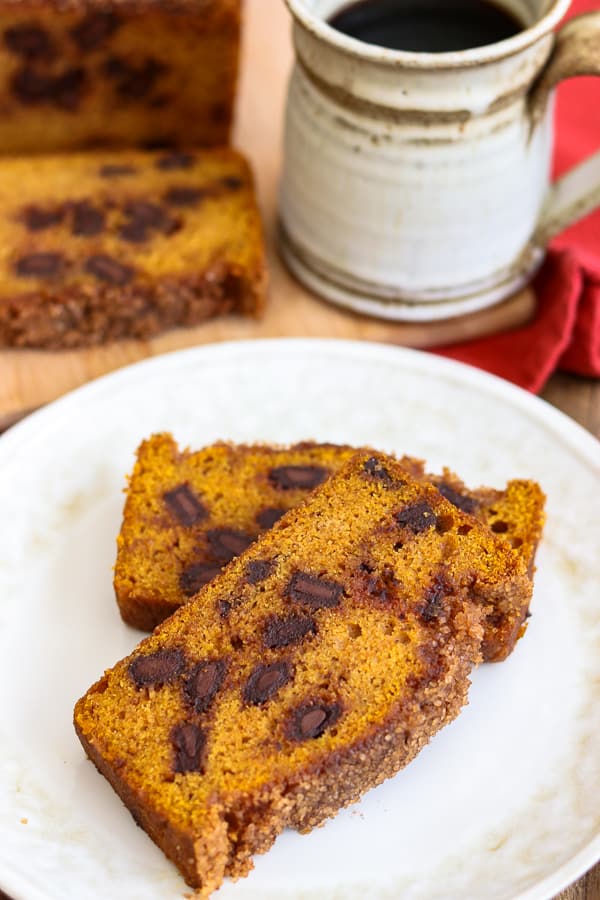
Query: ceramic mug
[416,186]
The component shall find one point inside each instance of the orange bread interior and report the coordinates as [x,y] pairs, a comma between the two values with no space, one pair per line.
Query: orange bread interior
[140,73]
[313,667]
[101,245]
[188,513]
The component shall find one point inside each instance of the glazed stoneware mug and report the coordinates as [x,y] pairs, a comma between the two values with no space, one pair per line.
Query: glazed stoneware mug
[416,186]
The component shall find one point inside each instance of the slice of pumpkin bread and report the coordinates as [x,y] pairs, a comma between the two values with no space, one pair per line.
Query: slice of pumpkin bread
[100,246]
[316,665]
[517,515]
[188,513]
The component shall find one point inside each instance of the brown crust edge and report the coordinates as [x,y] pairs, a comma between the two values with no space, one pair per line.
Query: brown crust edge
[142,611]
[84,318]
[231,838]
[506,607]
[187,854]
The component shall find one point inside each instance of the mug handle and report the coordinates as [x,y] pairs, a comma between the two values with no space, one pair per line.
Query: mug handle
[574,195]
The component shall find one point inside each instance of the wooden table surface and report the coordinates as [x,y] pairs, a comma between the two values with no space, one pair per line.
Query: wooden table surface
[28,379]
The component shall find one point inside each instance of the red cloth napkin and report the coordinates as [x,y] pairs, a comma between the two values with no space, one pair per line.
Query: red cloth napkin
[565,333]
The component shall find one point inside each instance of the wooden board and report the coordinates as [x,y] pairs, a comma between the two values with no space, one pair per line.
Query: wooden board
[31,378]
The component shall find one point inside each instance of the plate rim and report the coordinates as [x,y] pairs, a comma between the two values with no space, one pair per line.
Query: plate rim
[563,427]
[584,440]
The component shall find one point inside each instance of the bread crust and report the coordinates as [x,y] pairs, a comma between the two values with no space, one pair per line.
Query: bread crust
[249,825]
[75,318]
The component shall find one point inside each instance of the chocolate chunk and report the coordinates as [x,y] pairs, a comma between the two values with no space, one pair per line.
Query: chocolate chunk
[189,743]
[196,576]
[29,41]
[433,598]
[38,219]
[160,101]
[257,570]
[107,268]
[313,591]
[30,87]
[67,89]
[219,113]
[95,29]
[224,607]
[115,67]
[145,217]
[174,161]
[461,501]
[160,142]
[64,91]
[226,543]
[232,182]
[141,82]
[158,668]
[267,517]
[184,196]
[287,478]
[281,632]
[416,517]
[134,82]
[150,215]
[203,682]
[134,232]
[40,265]
[311,719]
[499,527]
[116,170]
[265,681]
[88,220]
[185,505]
[376,470]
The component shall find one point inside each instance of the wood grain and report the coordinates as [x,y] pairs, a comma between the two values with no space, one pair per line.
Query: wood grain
[579,398]
[587,888]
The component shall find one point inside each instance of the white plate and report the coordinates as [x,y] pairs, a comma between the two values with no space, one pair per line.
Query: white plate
[504,803]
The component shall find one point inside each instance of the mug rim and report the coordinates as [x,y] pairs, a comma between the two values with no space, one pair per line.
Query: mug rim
[455,59]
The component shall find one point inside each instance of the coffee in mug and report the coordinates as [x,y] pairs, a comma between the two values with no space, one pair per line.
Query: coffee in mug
[427,26]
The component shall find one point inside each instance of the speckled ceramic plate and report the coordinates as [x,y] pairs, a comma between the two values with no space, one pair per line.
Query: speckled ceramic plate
[504,803]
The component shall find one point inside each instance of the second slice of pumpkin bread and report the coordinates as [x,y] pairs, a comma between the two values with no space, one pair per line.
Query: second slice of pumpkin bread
[311,669]
[188,513]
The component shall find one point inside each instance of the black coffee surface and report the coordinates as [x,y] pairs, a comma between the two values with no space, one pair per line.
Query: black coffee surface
[426,26]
